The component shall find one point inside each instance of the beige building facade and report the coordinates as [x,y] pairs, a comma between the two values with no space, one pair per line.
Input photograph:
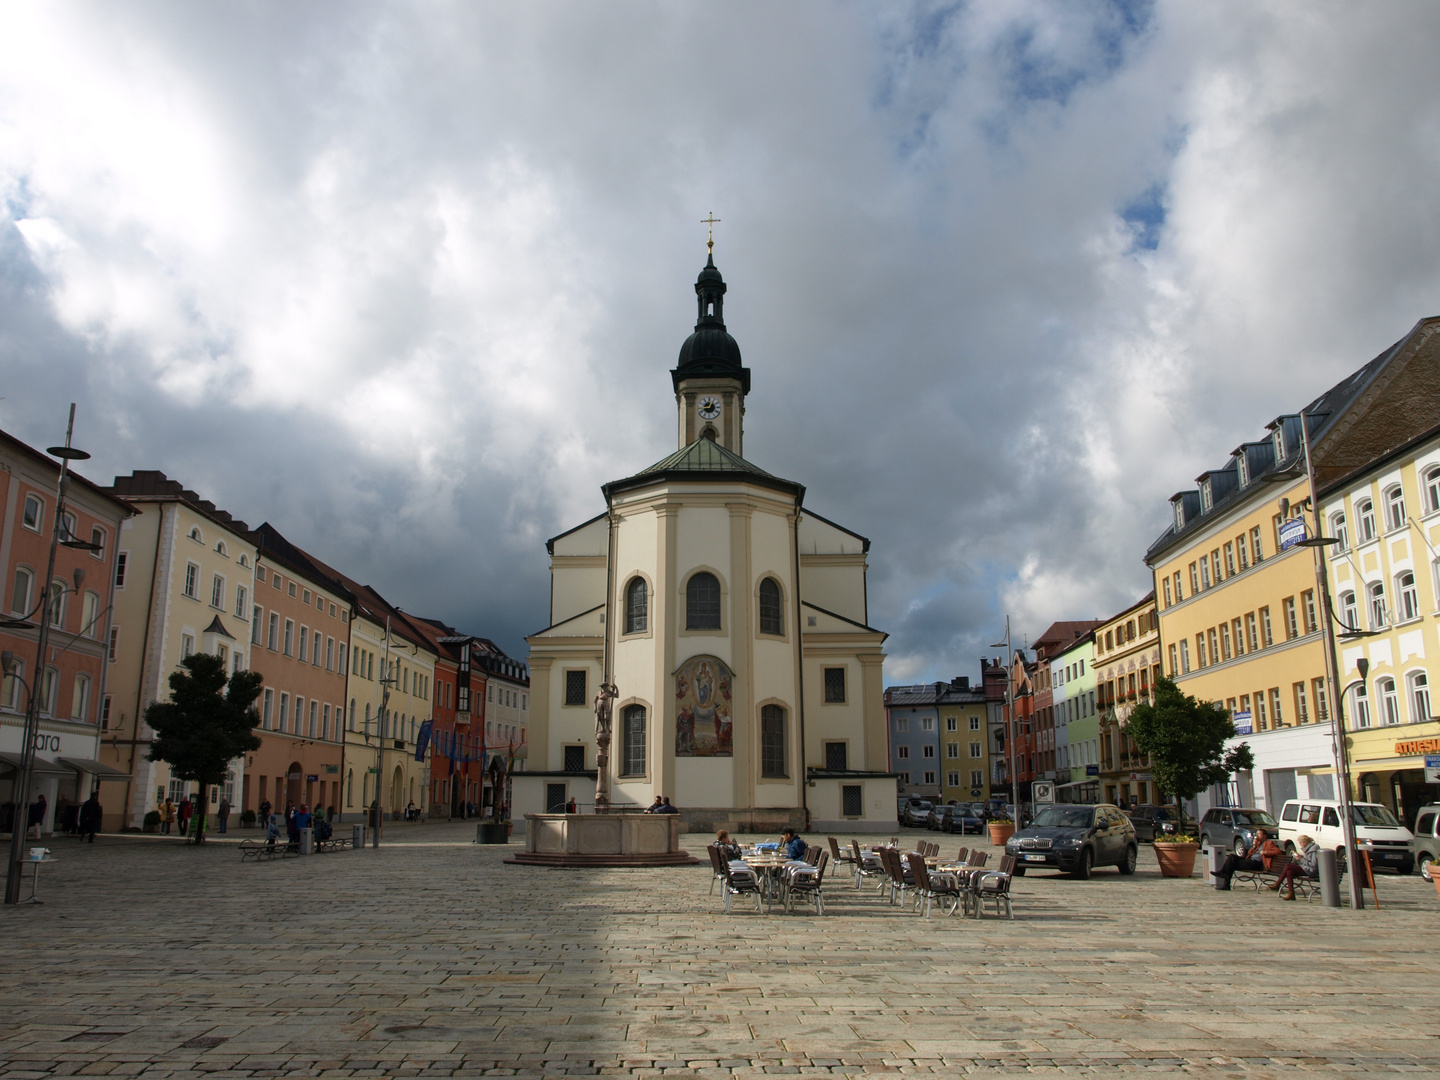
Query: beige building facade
[1127,663]
[183,584]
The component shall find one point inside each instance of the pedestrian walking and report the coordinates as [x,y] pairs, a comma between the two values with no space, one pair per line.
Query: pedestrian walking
[184,814]
[224,815]
[36,821]
[265,809]
[90,817]
[167,814]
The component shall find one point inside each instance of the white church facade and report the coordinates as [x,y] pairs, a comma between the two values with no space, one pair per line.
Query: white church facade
[733,624]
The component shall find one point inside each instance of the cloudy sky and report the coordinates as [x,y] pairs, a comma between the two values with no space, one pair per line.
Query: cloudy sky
[407,281]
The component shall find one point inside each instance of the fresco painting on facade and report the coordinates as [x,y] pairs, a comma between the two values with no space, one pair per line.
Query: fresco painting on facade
[704,725]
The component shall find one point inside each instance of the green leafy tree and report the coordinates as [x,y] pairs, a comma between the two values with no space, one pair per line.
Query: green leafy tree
[205,725]
[1185,741]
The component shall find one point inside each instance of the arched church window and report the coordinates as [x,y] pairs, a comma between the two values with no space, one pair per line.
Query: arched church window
[633,733]
[702,602]
[636,606]
[772,742]
[771,616]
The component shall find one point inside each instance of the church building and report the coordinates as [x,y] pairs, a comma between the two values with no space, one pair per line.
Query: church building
[733,623]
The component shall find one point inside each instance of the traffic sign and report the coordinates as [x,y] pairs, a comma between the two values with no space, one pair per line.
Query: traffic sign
[1432,768]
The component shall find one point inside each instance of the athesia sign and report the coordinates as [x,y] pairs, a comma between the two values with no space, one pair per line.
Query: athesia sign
[1417,746]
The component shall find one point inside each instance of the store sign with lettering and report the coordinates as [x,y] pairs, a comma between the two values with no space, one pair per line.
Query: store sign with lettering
[1417,746]
[47,742]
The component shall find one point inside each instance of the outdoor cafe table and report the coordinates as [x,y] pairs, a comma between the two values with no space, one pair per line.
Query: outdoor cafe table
[768,865]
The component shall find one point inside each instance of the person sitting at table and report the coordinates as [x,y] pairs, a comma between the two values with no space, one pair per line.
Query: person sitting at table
[654,806]
[791,844]
[1307,865]
[665,807]
[728,848]
[1261,854]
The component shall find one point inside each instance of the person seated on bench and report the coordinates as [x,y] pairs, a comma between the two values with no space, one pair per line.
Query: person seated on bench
[1307,864]
[323,829]
[1259,857]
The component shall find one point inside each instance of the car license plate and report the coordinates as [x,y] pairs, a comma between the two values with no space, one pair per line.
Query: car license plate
[1034,858]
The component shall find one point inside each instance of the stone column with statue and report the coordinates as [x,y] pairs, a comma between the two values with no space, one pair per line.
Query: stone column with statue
[604,699]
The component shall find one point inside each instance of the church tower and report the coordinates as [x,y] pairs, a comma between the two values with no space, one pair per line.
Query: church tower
[710,383]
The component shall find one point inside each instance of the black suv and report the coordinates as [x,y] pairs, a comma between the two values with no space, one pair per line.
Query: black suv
[1075,839]
[1153,821]
[1233,827]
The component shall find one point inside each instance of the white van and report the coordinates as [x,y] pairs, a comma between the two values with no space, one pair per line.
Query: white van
[1392,845]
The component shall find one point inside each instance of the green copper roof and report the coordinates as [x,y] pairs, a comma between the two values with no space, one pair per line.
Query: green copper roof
[704,455]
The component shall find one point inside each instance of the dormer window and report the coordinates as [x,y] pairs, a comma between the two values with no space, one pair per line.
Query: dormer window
[1279,443]
[1242,469]
[1205,501]
[1179,506]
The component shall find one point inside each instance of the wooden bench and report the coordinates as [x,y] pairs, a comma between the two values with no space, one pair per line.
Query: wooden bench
[1304,886]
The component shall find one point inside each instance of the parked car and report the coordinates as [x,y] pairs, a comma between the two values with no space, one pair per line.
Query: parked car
[965,819]
[1233,827]
[1152,821]
[1075,839]
[1427,839]
[1392,845]
[917,813]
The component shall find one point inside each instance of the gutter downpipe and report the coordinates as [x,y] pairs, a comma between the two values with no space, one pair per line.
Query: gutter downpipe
[800,667]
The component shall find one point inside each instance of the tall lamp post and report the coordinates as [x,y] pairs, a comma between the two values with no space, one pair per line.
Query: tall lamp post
[1010,725]
[21,823]
[1319,542]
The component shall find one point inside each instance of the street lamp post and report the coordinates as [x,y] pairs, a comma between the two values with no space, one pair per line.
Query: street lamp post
[1332,671]
[21,823]
[1010,725]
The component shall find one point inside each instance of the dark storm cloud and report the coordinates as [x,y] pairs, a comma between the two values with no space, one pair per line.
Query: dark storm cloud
[407,282]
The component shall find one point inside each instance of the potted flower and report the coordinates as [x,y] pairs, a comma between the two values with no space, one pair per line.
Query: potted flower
[1001,829]
[1176,854]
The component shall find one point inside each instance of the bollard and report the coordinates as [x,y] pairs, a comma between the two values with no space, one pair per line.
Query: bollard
[307,841]
[357,837]
[1329,879]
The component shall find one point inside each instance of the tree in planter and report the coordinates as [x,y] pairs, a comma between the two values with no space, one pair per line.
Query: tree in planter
[1185,740]
[205,725]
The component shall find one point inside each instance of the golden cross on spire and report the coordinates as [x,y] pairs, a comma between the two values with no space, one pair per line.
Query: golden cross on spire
[711,221]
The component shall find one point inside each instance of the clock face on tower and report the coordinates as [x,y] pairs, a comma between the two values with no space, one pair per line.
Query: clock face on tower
[708,407]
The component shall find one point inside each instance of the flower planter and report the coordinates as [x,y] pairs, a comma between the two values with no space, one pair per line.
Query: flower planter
[1000,831]
[1176,859]
[1435,879]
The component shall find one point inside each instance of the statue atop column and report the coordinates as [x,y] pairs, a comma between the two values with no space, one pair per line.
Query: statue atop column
[604,699]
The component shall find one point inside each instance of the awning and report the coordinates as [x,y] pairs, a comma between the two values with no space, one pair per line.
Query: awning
[98,770]
[12,763]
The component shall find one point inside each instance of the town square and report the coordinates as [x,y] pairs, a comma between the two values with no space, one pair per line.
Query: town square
[328,966]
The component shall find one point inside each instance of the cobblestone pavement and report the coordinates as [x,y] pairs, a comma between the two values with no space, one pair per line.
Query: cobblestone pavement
[432,958]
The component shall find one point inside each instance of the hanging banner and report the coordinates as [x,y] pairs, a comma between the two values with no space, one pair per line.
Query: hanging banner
[1244,724]
[422,740]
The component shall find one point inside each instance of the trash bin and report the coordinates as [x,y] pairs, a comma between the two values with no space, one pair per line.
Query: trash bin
[307,841]
[357,837]
[490,832]
[1211,858]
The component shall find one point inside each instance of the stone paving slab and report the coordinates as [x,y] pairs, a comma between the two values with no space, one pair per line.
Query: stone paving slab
[431,958]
